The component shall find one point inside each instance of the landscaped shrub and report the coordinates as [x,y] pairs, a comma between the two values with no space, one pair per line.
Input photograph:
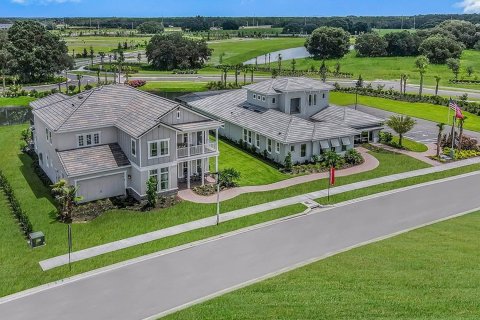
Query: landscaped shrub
[352,156]
[136,83]
[385,137]
[462,154]
[228,177]
[18,212]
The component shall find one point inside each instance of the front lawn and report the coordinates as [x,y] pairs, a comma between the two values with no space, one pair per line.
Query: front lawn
[20,269]
[17,102]
[429,273]
[174,86]
[425,111]
[253,171]
[411,145]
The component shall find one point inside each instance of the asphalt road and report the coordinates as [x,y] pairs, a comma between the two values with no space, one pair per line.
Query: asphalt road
[424,131]
[157,285]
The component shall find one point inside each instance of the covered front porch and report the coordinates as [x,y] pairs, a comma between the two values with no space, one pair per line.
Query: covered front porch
[194,173]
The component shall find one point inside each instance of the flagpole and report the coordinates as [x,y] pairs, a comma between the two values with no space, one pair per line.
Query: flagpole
[452,153]
[448,117]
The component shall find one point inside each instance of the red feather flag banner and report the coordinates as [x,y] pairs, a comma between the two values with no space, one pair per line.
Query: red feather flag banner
[332,176]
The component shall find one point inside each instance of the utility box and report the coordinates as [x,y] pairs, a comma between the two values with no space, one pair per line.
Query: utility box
[36,239]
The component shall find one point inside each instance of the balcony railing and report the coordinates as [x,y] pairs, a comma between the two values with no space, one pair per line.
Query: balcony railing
[184,152]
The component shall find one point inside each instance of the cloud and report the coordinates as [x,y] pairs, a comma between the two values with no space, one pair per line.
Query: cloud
[470,6]
[42,2]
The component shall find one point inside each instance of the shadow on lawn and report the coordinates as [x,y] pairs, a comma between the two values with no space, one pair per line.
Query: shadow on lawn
[34,182]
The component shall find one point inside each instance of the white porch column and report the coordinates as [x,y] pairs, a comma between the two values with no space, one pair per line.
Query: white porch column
[203,172]
[216,164]
[216,141]
[188,145]
[203,142]
[189,163]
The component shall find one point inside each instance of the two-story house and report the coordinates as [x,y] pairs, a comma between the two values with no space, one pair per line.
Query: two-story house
[287,115]
[111,139]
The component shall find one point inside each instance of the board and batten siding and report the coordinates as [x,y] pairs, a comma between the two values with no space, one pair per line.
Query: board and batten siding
[159,133]
[124,140]
[186,116]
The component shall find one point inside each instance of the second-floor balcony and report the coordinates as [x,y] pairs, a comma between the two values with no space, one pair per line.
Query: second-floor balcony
[194,150]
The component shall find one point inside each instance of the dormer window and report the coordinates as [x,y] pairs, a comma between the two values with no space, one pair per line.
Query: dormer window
[178,114]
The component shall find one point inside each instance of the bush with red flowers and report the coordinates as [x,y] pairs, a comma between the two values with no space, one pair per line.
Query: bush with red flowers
[136,83]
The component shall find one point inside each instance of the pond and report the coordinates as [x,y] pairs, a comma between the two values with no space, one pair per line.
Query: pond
[287,54]
[15,115]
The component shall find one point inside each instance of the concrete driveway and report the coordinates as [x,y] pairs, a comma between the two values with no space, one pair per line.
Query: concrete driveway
[424,131]
[162,283]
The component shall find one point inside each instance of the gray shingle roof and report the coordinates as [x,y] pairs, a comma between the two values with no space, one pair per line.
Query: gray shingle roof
[48,100]
[280,85]
[83,161]
[232,107]
[347,116]
[129,109]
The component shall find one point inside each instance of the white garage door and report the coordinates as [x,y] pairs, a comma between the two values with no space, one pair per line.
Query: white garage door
[101,187]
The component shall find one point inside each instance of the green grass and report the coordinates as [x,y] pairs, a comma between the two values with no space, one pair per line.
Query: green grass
[411,145]
[20,268]
[100,43]
[240,50]
[253,171]
[390,68]
[355,194]
[429,273]
[425,111]
[20,101]
[174,86]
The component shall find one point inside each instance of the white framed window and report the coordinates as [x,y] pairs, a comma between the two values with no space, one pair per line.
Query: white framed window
[249,135]
[164,179]
[263,98]
[259,97]
[46,134]
[257,140]
[80,141]
[47,162]
[277,147]
[274,100]
[303,150]
[254,96]
[153,174]
[269,145]
[310,99]
[178,114]
[158,148]
[88,139]
[292,149]
[133,145]
[314,99]
[245,135]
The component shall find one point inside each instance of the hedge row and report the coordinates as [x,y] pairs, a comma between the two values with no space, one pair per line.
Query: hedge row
[463,81]
[472,107]
[18,212]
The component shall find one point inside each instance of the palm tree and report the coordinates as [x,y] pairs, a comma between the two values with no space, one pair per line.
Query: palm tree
[421,63]
[66,195]
[440,126]
[294,62]
[79,82]
[280,62]
[401,125]
[405,78]
[437,81]
[331,158]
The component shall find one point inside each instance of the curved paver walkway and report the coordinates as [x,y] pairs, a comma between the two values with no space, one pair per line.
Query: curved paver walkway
[370,163]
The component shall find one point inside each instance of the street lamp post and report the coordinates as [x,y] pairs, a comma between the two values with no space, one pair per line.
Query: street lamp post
[217,174]
[356,98]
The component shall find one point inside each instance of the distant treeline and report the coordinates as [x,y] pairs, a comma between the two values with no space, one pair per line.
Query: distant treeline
[351,24]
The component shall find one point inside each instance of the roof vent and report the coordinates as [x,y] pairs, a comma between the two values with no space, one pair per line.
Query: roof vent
[80,97]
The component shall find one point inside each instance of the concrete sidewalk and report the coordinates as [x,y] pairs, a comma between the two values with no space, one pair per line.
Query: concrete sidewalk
[210,221]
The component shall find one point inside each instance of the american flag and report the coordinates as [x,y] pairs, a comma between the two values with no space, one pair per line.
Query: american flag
[454,106]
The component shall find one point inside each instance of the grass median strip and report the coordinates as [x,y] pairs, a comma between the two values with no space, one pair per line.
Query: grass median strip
[350,195]
[429,273]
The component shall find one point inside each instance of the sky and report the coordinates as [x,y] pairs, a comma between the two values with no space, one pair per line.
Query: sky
[174,8]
